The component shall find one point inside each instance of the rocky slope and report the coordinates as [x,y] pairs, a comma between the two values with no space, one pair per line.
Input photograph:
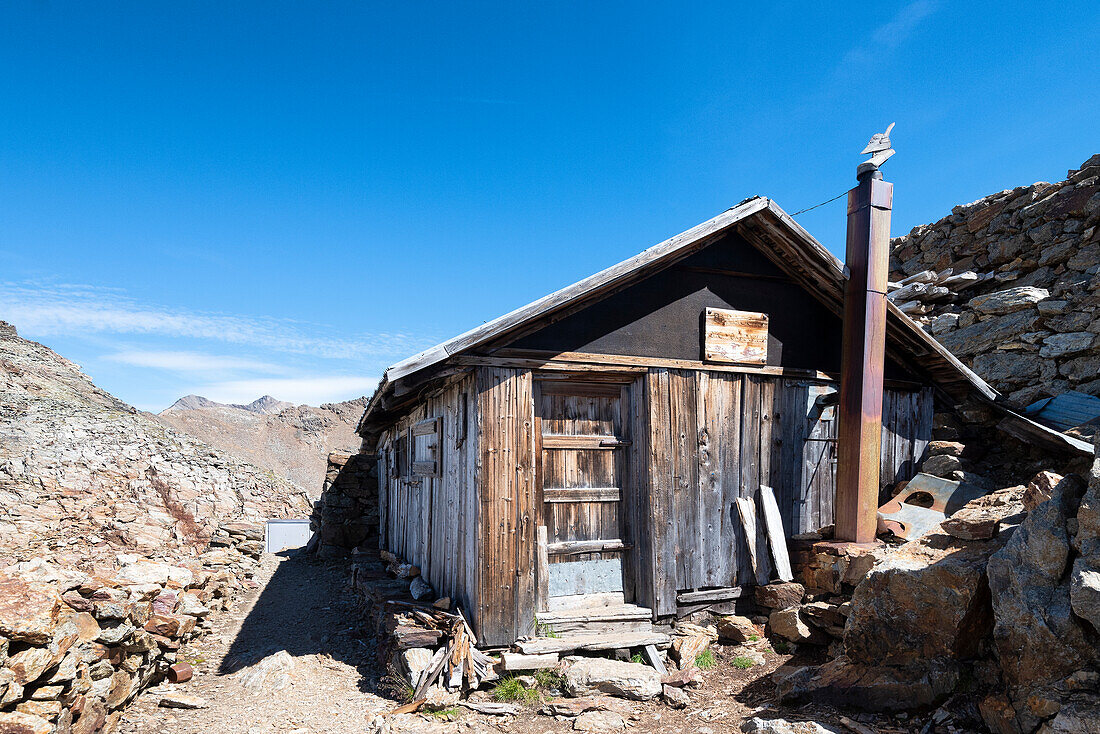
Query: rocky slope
[293,441]
[1028,322]
[84,476]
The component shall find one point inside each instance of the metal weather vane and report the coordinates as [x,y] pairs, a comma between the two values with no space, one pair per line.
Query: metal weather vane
[880,151]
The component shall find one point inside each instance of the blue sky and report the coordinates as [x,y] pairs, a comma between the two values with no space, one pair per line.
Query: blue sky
[245,198]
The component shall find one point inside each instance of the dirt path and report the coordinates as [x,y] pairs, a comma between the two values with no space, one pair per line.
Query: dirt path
[304,607]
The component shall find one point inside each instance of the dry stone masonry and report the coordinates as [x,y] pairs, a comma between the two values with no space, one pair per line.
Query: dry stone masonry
[77,646]
[1010,284]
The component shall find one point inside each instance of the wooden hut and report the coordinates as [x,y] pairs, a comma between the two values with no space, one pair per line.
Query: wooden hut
[575,463]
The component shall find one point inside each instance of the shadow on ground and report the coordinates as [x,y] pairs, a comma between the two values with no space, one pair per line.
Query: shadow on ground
[306,608]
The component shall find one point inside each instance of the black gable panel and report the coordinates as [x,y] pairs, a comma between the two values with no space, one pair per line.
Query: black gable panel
[662,316]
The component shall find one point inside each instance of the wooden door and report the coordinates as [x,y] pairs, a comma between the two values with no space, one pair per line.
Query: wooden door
[582,431]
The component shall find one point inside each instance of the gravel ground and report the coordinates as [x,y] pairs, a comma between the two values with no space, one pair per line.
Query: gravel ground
[330,685]
[303,606]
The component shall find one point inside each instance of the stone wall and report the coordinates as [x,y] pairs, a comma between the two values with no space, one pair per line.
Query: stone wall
[346,515]
[76,647]
[1028,323]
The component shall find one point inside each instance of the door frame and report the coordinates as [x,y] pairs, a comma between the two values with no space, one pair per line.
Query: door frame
[625,382]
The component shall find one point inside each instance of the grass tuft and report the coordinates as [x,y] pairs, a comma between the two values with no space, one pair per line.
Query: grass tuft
[781,646]
[637,658]
[549,678]
[545,630]
[446,714]
[743,662]
[510,689]
[705,660]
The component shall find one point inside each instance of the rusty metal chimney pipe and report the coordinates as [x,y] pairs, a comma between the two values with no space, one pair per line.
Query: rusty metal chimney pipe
[859,433]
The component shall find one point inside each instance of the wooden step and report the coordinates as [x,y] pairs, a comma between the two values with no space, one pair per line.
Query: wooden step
[614,618]
[592,641]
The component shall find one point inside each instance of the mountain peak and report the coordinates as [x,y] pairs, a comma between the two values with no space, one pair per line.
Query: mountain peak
[192,402]
[266,404]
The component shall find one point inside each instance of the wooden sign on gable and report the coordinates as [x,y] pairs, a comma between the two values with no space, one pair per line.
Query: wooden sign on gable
[739,337]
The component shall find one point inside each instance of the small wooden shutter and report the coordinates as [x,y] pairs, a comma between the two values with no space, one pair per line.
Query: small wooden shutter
[425,447]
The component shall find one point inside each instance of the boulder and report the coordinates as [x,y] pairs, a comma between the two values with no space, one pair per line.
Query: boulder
[29,611]
[29,665]
[980,518]
[20,723]
[791,625]
[737,629]
[841,682]
[588,676]
[1039,489]
[927,600]
[182,701]
[941,465]
[779,595]
[1008,300]
[676,698]
[272,673]
[599,721]
[823,614]
[1037,638]
[421,590]
[154,572]
[1064,345]
[757,725]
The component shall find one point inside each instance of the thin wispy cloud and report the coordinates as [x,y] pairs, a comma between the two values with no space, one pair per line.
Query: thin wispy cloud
[192,362]
[889,35]
[311,390]
[79,310]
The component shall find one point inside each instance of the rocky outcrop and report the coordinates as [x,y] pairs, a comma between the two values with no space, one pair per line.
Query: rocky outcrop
[1011,614]
[290,440]
[83,476]
[1028,320]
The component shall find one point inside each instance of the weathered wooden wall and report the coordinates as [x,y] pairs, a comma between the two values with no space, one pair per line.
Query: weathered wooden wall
[506,450]
[700,439]
[432,521]
[714,437]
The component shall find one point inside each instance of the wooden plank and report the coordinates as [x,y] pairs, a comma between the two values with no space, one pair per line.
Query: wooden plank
[710,411]
[581,494]
[587,442]
[542,594]
[746,510]
[537,359]
[638,582]
[591,641]
[685,436]
[573,547]
[710,595]
[739,337]
[727,445]
[661,519]
[776,539]
[512,661]
[654,659]
[524,505]
[497,411]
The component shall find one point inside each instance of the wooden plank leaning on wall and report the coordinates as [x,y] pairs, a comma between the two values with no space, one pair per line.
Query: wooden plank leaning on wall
[506,591]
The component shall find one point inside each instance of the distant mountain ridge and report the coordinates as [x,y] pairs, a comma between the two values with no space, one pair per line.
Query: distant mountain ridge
[293,441]
[266,404]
